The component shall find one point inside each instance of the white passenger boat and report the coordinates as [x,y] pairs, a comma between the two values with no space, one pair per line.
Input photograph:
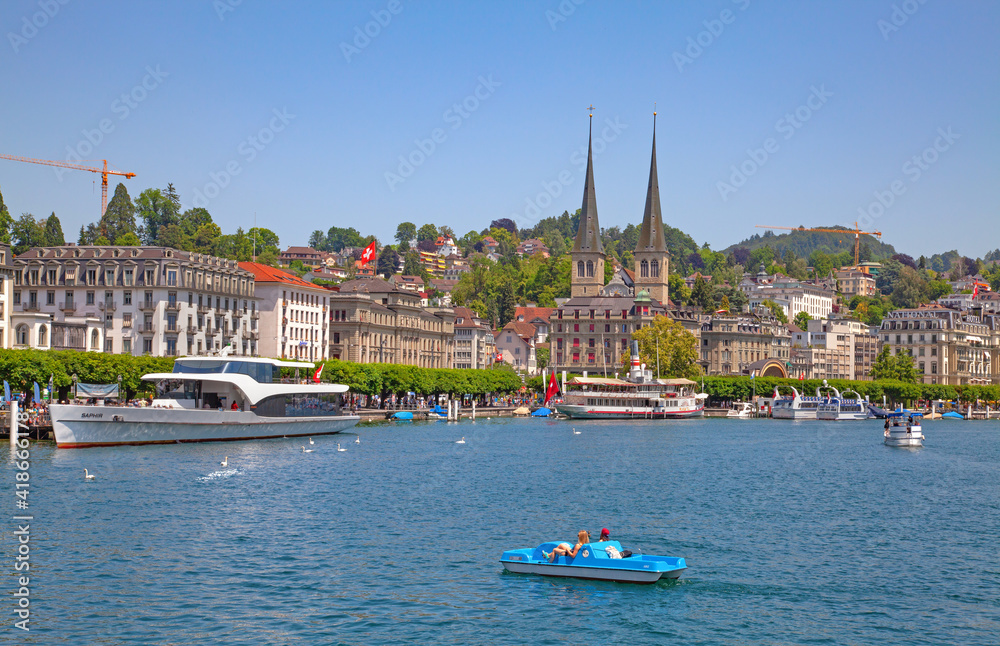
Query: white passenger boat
[904,429]
[740,410]
[839,408]
[209,399]
[638,397]
[796,406]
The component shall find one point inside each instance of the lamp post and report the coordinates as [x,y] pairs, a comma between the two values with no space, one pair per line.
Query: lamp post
[120,398]
[74,385]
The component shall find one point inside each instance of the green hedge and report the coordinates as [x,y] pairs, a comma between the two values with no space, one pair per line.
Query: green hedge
[20,368]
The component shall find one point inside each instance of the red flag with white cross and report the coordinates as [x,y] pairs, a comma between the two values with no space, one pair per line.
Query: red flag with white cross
[368,254]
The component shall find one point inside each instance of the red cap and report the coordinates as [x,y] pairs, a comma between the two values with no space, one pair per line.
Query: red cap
[605,532]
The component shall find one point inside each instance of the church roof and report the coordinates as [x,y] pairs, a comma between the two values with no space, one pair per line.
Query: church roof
[651,236]
[588,235]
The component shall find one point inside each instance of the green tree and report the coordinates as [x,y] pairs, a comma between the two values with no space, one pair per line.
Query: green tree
[128,239]
[338,238]
[27,233]
[411,263]
[317,240]
[264,240]
[701,294]
[777,310]
[891,367]
[6,222]
[666,341]
[388,261]
[53,232]
[679,292]
[937,288]
[802,320]
[910,289]
[405,232]
[119,217]
[427,232]
[193,219]
[157,210]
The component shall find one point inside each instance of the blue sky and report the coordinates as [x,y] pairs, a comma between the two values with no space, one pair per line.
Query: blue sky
[283,110]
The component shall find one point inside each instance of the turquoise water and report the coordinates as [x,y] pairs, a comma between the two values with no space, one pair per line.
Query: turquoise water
[794,533]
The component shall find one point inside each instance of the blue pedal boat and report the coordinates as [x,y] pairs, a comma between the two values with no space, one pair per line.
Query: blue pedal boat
[593,562]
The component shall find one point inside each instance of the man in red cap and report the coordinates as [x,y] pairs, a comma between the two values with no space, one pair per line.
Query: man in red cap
[605,535]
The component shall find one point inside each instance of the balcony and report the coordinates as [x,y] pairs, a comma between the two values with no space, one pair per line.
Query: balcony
[68,308]
[204,309]
[30,307]
[173,307]
[173,329]
[255,315]
[147,328]
[107,306]
[147,306]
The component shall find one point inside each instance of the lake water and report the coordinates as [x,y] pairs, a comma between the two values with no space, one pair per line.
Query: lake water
[794,533]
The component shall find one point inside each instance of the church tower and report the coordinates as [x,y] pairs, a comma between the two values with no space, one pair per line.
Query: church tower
[587,276]
[651,258]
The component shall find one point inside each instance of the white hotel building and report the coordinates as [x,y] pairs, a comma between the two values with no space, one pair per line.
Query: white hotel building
[793,297]
[295,323]
[132,300]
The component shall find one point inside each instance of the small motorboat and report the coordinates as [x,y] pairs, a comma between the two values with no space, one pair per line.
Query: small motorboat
[952,415]
[402,416]
[740,410]
[904,429]
[593,561]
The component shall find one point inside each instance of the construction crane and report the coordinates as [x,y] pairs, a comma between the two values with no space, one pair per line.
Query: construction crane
[103,171]
[856,231]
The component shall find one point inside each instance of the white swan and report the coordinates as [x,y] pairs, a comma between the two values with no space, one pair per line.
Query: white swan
[87,475]
[461,441]
[340,449]
[357,440]
[575,432]
[311,441]
[305,450]
[225,462]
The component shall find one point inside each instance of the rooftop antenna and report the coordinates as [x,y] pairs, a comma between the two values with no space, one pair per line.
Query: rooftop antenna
[255,236]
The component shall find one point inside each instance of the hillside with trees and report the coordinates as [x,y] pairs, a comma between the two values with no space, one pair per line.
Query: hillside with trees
[804,243]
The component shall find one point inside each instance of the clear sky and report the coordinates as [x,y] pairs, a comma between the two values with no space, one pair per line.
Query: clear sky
[291,111]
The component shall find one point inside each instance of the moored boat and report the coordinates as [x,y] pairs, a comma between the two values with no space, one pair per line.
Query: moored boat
[594,562]
[638,397]
[209,399]
[796,406]
[903,429]
[840,408]
[740,410]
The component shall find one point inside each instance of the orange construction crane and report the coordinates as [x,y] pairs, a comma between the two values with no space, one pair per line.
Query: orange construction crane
[856,231]
[103,171]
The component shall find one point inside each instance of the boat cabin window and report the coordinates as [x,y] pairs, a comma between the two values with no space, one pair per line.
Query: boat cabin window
[299,405]
[177,389]
[264,373]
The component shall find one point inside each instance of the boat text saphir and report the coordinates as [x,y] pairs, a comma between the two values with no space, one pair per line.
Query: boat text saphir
[210,399]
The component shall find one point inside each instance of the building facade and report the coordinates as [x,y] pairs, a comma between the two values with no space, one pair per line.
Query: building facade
[731,342]
[373,322]
[516,344]
[293,315]
[793,297]
[834,349]
[144,300]
[475,344]
[853,282]
[947,346]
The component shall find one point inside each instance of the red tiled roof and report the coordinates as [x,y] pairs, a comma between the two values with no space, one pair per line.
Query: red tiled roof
[531,313]
[267,274]
[302,251]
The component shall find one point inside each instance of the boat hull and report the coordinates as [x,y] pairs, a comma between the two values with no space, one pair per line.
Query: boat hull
[594,573]
[89,426]
[793,413]
[842,416]
[578,411]
[913,438]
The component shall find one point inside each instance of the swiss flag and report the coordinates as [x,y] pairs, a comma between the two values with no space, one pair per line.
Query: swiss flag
[552,390]
[368,254]
[318,373]
[975,291]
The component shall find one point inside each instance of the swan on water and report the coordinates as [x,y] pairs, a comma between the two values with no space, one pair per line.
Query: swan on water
[225,462]
[575,432]
[87,475]
[305,450]
[311,441]
[357,440]
[461,441]
[340,449]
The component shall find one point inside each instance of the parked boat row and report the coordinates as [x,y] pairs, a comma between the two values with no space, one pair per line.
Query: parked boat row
[833,406]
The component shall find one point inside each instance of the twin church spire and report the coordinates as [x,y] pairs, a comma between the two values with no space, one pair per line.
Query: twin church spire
[651,258]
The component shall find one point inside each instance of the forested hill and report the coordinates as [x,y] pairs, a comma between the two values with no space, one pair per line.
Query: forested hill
[803,243]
